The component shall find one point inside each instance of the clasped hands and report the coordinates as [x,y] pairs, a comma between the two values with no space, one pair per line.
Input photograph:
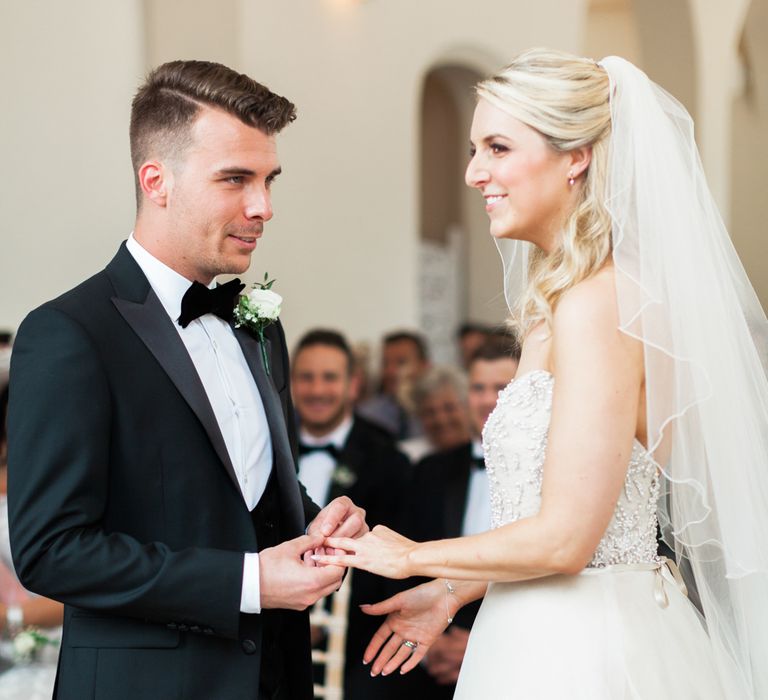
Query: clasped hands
[297,573]
[416,618]
[289,578]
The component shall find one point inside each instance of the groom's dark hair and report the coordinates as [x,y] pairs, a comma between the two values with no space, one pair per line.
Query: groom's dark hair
[167,104]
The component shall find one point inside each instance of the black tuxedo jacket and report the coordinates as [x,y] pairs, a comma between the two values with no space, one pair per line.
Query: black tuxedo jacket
[123,502]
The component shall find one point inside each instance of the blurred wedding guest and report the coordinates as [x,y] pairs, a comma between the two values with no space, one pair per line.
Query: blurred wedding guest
[361,351]
[20,609]
[6,340]
[450,498]
[470,336]
[342,454]
[439,399]
[404,358]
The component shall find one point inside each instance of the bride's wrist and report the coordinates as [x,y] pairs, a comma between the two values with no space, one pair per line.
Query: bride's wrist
[452,601]
[411,561]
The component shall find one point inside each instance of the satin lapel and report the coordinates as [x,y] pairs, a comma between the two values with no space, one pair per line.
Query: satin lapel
[456,494]
[151,323]
[293,510]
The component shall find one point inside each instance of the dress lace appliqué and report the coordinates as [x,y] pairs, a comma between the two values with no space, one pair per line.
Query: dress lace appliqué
[515,443]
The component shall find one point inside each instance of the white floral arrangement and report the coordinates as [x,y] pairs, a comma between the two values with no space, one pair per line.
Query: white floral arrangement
[258,309]
[27,643]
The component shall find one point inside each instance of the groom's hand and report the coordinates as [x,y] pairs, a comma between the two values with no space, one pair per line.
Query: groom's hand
[340,515]
[340,518]
[285,582]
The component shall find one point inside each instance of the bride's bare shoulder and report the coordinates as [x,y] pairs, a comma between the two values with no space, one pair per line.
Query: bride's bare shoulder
[590,303]
[586,328]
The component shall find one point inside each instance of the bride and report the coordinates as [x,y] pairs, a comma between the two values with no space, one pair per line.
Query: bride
[640,392]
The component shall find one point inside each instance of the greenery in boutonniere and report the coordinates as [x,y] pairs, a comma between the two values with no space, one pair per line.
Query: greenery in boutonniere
[258,309]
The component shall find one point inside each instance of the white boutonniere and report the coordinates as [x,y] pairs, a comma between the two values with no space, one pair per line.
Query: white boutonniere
[258,309]
[344,476]
[28,642]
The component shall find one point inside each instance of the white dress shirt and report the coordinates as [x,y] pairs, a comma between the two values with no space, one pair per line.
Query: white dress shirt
[316,468]
[231,391]
[477,511]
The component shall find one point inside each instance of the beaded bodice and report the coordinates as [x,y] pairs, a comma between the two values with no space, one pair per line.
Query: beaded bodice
[515,443]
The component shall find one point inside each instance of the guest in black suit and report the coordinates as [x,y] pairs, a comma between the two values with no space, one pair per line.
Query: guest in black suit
[342,454]
[404,358]
[450,499]
[152,479]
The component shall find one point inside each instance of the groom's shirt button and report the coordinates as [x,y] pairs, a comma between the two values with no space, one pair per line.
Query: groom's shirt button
[249,646]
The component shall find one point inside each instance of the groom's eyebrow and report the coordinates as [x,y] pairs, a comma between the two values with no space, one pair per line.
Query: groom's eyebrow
[244,172]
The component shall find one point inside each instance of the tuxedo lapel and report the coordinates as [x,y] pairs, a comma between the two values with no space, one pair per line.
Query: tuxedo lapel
[142,310]
[281,446]
[151,323]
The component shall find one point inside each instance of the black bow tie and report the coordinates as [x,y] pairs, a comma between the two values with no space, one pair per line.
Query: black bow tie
[478,462]
[329,447]
[199,300]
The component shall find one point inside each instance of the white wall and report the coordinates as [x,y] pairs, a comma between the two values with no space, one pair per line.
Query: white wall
[344,240]
[66,193]
[343,244]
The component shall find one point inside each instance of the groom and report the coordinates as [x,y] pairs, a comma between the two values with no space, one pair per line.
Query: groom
[152,479]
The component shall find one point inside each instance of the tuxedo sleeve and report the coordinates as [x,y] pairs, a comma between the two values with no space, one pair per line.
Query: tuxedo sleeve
[60,420]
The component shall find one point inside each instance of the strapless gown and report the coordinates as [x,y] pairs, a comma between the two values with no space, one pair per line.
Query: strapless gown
[621,629]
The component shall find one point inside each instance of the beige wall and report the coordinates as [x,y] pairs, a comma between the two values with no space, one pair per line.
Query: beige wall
[749,157]
[69,70]
[344,239]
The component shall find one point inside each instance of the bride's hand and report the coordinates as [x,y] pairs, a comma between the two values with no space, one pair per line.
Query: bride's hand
[417,615]
[381,551]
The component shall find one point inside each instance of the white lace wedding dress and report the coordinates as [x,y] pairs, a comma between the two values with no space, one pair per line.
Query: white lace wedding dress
[620,629]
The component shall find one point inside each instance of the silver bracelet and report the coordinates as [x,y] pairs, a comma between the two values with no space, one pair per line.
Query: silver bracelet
[449,590]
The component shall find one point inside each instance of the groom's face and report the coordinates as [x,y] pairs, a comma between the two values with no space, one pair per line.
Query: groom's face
[219,196]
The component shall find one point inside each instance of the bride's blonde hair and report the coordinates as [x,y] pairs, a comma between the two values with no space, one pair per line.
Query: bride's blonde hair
[565,99]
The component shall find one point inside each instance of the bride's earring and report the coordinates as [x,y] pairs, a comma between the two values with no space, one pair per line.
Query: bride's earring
[571,179]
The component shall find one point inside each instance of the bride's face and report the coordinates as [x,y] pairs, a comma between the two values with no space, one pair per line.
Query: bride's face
[524,180]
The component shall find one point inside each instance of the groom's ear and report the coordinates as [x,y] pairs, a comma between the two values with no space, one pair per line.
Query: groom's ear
[154,180]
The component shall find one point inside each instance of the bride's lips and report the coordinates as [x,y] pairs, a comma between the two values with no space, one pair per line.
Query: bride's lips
[491,200]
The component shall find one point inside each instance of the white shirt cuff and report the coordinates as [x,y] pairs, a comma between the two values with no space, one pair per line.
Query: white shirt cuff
[250,600]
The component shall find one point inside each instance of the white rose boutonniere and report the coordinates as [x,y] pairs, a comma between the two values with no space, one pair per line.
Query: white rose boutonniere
[257,309]
[28,642]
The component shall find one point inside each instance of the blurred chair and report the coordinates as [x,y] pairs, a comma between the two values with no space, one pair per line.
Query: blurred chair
[334,622]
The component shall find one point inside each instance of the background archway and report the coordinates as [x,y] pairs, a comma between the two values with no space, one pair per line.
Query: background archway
[460,271]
